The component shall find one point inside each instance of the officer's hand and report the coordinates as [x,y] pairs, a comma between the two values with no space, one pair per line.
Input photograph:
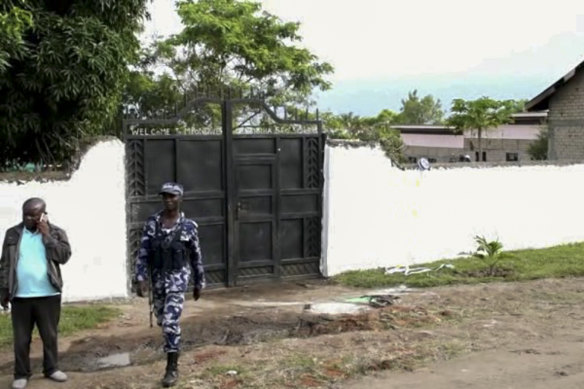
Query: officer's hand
[142,288]
[4,297]
[196,293]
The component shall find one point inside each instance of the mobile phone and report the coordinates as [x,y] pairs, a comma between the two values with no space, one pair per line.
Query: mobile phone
[43,217]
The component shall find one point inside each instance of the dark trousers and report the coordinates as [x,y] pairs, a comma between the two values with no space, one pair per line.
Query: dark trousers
[45,313]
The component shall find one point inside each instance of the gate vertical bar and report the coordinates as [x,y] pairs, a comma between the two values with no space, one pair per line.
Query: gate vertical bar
[227,114]
[277,209]
[321,151]
[145,162]
[176,161]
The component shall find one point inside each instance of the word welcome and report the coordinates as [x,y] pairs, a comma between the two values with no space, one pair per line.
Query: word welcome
[145,131]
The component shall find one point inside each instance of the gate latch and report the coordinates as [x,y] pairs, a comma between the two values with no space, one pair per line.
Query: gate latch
[241,206]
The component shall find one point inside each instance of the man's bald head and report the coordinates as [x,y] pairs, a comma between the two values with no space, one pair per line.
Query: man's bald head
[33,203]
[32,210]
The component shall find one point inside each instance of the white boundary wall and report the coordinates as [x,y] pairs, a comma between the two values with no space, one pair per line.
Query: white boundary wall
[376,215]
[91,207]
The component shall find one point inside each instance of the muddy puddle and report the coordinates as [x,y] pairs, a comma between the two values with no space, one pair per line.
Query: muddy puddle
[113,360]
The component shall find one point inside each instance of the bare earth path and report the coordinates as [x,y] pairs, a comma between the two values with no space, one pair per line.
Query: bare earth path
[504,335]
[556,363]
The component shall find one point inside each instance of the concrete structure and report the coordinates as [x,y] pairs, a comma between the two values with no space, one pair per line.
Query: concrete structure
[436,143]
[508,142]
[565,102]
[376,215]
[91,207]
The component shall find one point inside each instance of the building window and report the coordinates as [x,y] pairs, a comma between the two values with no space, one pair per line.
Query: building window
[512,157]
[484,156]
[412,159]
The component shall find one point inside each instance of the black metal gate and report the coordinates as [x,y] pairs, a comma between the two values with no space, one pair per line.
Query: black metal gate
[256,197]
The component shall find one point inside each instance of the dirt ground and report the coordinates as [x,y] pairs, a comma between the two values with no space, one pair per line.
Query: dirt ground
[504,335]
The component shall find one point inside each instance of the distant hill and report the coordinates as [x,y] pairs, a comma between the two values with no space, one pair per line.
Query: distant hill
[368,97]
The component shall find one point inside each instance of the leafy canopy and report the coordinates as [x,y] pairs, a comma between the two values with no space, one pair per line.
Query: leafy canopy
[13,20]
[482,113]
[229,42]
[224,44]
[416,110]
[369,129]
[61,74]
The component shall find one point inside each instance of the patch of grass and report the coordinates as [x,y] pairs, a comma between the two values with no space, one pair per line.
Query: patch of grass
[77,318]
[446,350]
[5,330]
[309,371]
[221,370]
[73,319]
[300,361]
[553,262]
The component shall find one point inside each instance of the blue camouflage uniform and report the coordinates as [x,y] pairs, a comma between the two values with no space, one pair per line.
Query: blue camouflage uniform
[169,286]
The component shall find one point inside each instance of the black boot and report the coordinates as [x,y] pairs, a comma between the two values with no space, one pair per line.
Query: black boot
[171,375]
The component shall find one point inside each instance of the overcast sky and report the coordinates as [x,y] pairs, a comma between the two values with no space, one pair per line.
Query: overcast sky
[387,38]
[381,49]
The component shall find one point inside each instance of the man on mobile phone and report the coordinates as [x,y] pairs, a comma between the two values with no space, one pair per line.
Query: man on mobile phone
[30,279]
[168,249]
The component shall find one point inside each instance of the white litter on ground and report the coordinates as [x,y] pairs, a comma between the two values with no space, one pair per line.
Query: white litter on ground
[400,290]
[337,308]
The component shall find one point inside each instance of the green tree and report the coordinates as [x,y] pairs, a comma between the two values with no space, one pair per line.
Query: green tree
[416,110]
[13,20]
[391,142]
[538,149]
[351,123]
[387,116]
[157,96]
[237,43]
[66,83]
[481,115]
[370,129]
[331,122]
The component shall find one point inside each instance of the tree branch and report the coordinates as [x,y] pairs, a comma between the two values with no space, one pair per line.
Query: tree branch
[247,120]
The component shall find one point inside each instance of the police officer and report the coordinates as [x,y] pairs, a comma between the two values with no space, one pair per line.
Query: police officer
[169,244]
